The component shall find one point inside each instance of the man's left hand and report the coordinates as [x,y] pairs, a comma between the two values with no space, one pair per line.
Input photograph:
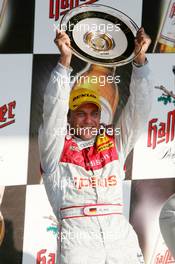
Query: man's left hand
[142,42]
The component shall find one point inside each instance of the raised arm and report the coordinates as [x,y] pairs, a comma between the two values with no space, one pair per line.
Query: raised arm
[55,109]
[135,113]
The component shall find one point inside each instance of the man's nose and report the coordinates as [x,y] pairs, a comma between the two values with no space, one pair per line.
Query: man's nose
[88,119]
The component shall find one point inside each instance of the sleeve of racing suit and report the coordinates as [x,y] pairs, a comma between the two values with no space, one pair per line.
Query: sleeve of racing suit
[53,129]
[167,223]
[137,109]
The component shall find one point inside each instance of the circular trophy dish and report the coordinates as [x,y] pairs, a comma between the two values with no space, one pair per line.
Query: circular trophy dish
[100,34]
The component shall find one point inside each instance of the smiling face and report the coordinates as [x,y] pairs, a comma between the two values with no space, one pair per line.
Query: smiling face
[85,120]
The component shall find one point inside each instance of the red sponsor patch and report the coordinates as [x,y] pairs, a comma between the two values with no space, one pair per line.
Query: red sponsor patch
[89,158]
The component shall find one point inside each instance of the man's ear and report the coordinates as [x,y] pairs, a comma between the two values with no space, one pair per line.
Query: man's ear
[100,113]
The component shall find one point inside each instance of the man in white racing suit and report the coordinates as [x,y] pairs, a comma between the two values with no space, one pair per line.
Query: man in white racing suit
[167,223]
[83,173]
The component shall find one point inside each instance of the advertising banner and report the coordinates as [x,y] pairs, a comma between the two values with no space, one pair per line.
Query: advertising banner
[156,146]
[41,229]
[15,75]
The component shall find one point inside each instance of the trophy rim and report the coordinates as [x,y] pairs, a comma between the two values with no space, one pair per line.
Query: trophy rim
[132,26]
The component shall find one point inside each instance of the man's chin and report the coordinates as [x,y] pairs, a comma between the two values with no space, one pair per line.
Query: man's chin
[86,137]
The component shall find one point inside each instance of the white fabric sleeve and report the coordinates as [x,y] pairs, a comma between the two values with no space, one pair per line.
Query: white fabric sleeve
[137,109]
[167,223]
[53,129]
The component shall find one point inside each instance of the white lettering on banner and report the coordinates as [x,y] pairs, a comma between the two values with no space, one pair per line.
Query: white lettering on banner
[58,8]
[159,132]
[7,116]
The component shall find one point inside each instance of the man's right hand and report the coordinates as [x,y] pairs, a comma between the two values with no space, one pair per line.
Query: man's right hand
[63,43]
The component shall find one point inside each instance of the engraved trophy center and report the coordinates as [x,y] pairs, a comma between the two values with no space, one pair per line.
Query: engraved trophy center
[99,41]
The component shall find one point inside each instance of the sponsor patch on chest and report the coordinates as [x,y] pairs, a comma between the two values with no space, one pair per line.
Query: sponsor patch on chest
[91,158]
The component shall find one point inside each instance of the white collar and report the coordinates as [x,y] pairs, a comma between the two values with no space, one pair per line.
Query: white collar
[82,144]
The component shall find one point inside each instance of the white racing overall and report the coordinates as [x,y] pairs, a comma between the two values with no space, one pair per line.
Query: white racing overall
[83,179]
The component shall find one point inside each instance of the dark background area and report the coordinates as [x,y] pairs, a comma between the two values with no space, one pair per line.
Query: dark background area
[19,38]
[151,18]
[13,211]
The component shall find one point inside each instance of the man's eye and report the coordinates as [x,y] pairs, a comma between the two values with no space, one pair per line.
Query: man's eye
[95,114]
[80,114]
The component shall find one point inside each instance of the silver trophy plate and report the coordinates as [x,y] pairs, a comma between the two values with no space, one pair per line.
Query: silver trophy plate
[100,34]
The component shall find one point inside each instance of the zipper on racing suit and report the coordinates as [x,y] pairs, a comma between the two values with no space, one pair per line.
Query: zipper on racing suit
[93,174]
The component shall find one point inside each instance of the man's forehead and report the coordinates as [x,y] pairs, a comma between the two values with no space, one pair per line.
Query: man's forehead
[87,107]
